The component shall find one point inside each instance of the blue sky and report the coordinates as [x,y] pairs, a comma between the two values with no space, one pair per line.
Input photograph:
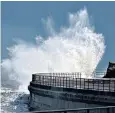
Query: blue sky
[23,20]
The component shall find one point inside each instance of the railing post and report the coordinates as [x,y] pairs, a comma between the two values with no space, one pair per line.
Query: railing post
[66,81]
[114,85]
[87,110]
[40,79]
[46,79]
[76,83]
[43,79]
[98,84]
[84,82]
[80,82]
[108,110]
[33,77]
[72,82]
[93,84]
[55,80]
[50,79]
[69,82]
[109,85]
[88,84]
[60,81]
[63,81]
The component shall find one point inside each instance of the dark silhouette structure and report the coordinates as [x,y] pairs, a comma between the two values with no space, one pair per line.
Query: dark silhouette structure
[110,71]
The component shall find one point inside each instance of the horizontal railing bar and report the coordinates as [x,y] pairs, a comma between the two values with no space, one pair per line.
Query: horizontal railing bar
[78,78]
[72,110]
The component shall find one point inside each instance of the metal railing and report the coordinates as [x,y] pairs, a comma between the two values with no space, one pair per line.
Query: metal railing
[75,81]
[108,109]
[73,74]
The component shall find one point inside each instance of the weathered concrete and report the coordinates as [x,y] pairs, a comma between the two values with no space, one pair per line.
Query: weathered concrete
[48,100]
[42,98]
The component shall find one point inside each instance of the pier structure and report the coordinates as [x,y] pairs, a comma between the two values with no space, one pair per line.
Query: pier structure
[51,91]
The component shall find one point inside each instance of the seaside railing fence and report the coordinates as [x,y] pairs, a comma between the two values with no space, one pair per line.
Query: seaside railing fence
[74,80]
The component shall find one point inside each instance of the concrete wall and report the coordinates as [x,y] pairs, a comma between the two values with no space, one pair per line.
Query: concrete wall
[41,99]
[46,103]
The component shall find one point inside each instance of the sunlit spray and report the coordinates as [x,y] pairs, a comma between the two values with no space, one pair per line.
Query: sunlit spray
[76,48]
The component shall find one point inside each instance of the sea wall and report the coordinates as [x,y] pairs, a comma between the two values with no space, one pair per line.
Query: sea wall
[53,92]
[43,99]
[48,100]
[46,103]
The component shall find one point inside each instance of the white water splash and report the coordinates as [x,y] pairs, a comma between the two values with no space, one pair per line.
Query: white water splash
[13,101]
[77,48]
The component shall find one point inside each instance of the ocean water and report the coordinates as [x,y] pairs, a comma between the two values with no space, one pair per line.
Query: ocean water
[13,101]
